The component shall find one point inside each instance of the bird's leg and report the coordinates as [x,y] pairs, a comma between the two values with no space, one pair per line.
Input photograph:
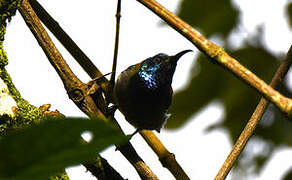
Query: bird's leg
[96,92]
[135,132]
[111,110]
[130,136]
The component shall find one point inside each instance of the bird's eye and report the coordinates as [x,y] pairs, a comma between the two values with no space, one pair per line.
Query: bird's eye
[156,59]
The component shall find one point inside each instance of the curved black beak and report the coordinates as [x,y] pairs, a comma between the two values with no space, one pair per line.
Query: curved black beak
[176,57]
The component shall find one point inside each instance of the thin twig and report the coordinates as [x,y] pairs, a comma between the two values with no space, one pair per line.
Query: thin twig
[254,120]
[112,79]
[78,91]
[118,17]
[217,54]
[166,158]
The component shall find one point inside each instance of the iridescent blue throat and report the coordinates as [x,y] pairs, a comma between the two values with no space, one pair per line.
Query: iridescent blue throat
[148,74]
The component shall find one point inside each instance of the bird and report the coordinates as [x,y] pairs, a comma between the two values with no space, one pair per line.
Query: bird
[143,92]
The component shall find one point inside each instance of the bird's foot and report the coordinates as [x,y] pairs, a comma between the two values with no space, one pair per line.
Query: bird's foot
[111,110]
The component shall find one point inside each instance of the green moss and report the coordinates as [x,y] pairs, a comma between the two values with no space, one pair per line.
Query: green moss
[27,114]
[3,56]
[8,81]
[2,33]
[5,123]
[8,9]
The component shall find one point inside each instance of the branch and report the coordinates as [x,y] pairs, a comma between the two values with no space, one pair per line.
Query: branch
[101,169]
[65,40]
[254,120]
[218,55]
[109,171]
[78,92]
[166,158]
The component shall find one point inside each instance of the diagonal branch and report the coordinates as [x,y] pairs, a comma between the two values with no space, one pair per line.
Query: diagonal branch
[218,55]
[78,91]
[254,120]
[65,40]
[75,88]
[166,158]
[107,172]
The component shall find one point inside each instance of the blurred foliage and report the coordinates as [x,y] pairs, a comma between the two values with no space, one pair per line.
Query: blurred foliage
[289,13]
[210,16]
[288,175]
[45,149]
[209,82]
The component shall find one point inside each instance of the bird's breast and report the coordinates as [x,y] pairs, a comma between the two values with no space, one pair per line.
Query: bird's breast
[142,98]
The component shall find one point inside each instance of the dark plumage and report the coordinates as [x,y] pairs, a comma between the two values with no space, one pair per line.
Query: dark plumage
[143,91]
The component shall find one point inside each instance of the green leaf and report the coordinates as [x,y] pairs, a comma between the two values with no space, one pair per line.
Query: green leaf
[47,148]
[210,16]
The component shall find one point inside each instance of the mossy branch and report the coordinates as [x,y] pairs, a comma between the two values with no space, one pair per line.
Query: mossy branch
[23,113]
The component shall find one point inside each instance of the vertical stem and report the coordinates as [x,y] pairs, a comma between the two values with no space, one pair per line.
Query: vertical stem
[118,17]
